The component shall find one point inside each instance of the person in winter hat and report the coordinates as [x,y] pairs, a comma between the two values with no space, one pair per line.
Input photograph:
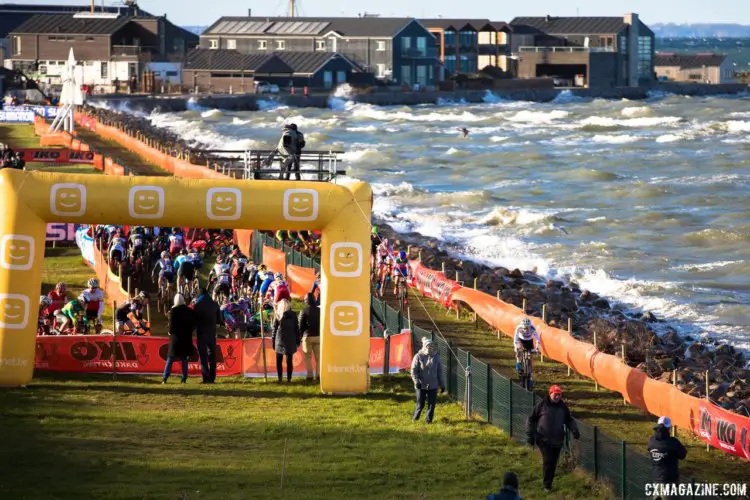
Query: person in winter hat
[666,452]
[509,490]
[427,374]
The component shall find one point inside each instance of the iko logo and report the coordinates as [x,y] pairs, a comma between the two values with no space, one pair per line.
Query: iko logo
[16,252]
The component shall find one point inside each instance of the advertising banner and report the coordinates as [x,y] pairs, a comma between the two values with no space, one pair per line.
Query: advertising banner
[43,111]
[86,243]
[722,429]
[433,284]
[62,232]
[56,155]
[24,116]
[134,355]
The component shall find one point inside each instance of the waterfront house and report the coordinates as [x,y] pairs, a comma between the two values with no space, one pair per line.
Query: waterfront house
[470,45]
[596,52]
[694,68]
[230,71]
[395,50]
[108,46]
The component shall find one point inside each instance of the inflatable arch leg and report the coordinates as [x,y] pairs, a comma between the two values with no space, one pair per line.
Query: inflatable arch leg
[29,200]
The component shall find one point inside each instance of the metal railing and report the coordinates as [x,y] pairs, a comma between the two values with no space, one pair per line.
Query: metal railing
[415,53]
[566,49]
[320,166]
[484,392]
[126,50]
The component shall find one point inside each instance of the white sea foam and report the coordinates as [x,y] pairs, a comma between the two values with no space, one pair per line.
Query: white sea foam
[614,139]
[646,121]
[736,126]
[636,111]
[709,266]
[536,117]
[212,113]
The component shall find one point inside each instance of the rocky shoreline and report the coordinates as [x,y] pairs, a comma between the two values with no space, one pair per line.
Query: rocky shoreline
[650,344]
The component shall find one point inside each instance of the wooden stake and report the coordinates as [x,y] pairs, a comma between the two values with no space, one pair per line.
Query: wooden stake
[475,283]
[443,267]
[544,313]
[420,255]
[596,346]
[570,332]
[148,313]
[523,306]
[708,446]
[114,343]
[128,286]
[283,465]
[263,341]
[624,401]
[674,384]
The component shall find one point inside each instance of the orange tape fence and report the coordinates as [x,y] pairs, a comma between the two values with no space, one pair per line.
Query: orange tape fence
[721,428]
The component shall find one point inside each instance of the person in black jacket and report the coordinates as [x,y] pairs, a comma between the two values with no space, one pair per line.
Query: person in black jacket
[546,428]
[286,337]
[181,326]
[666,452]
[510,488]
[207,316]
[309,327]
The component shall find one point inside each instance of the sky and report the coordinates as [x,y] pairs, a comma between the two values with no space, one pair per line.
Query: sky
[203,12]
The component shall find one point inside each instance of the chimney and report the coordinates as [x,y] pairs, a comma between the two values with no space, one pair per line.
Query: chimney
[548,17]
[249,12]
[92,5]
[630,19]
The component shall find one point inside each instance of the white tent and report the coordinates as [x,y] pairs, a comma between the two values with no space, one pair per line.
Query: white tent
[70,97]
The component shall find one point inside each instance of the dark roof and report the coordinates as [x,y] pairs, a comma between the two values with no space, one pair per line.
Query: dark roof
[276,62]
[309,62]
[67,24]
[457,24]
[568,25]
[688,61]
[348,26]
[14,15]
[501,25]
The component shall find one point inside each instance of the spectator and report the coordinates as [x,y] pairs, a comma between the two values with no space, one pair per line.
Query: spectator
[546,428]
[666,452]
[207,316]
[181,326]
[427,374]
[286,337]
[309,326]
[509,490]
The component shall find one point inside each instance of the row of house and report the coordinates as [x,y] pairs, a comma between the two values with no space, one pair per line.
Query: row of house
[119,43]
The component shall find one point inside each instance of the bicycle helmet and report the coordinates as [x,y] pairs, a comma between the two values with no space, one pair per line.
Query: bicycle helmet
[83,298]
[93,283]
[402,255]
[141,296]
[279,276]
[45,301]
[60,288]
[165,255]
[525,323]
[375,231]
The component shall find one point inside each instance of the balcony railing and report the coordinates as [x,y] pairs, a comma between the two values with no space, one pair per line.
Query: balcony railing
[567,49]
[129,50]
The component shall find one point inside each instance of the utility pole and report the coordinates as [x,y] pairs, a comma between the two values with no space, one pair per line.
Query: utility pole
[291,8]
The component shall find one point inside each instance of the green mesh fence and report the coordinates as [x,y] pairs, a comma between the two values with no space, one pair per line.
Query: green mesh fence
[500,400]
[480,388]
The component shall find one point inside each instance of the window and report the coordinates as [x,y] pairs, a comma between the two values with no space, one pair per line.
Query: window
[232,44]
[406,74]
[262,45]
[422,45]
[16,45]
[380,45]
[422,75]
[320,45]
[89,38]
[450,38]
[88,63]
[172,73]
[623,45]
[214,44]
[105,71]
[695,76]
[381,71]
[341,77]
[468,38]
[328,79]
[450,63]
[280,44]
[468,64]
[645,53]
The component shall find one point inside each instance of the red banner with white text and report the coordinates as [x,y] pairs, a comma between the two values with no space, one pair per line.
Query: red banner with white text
[724,430]
[433,284]
[136,355]
[55,155]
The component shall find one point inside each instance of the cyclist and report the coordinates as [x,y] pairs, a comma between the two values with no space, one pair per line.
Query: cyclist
[185,270]
[195,257]
[44,303]
[280,289]
[263,276]
[401,270]
[58,298]
[129,316]
[523,340]
[374,242]
[176,241]
[219,268]
[68,316]
[137,242]
[234,315]
[165,268]
[118,247]
[95,303]
[223,282]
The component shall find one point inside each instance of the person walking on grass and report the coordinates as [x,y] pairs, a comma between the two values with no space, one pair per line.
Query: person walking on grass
[207,316]
[427,374]
[309,326]
[181,326]
[509,490]
[286,337]
[666,452]
[545,427]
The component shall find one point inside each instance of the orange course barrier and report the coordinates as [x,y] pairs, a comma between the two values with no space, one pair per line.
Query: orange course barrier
[274,259]
[244,239]
[300,280]
[721,428]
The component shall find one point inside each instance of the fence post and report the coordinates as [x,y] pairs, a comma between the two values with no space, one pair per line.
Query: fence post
[570,332]
[114,343]
[708,445]
[467,393]
[623,471]
[596,346]
[510,407]
[387,354]
[596,452]
[624,401]
[450,369]
[489,393]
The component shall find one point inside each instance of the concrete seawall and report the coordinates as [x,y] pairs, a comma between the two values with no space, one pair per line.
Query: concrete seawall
[250,102]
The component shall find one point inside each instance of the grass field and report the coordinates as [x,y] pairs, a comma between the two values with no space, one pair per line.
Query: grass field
[88,437]
[602,408]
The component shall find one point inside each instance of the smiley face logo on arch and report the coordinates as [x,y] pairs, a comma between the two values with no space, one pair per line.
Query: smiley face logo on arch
[68,200]
[146,202]
[300,204]
[346,319]
[224,204]
[16,252]
[346,260]
[14,311]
